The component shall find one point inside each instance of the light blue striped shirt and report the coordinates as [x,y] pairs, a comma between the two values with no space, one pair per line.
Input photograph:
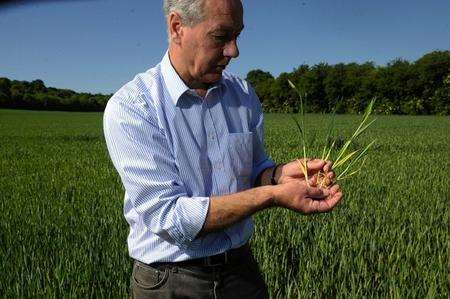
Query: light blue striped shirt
[173,151]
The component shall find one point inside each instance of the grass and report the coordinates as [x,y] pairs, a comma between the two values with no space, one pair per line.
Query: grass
[62,233]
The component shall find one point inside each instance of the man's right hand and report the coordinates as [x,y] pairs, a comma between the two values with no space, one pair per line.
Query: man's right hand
[296,195]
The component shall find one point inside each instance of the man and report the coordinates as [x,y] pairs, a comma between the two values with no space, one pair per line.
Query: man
[186,138]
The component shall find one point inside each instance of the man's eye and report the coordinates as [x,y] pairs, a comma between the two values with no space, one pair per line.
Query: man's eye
[221,38]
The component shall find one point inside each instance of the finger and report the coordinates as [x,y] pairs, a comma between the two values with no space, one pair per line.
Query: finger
[330,175]
[323,206]
[334,189]
[329,203]
[328,166]
[315,165]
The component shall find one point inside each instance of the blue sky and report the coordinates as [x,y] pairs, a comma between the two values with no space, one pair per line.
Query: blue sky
[98,45]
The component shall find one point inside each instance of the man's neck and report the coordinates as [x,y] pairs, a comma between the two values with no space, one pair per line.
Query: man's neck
[199,88]
[201,92]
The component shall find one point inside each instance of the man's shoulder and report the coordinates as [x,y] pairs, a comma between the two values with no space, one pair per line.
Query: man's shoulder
[235,82]
[240,89]
[140,87]
[138,96]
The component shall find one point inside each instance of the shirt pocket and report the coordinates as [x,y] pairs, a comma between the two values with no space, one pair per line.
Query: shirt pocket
[240,154]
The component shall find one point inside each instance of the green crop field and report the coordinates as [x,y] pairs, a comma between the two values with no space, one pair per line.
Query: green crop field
[62,233]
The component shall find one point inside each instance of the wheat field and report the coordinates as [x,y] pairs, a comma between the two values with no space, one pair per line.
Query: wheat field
[62,233]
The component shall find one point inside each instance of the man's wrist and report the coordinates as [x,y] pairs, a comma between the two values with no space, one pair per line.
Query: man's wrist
[276,174]
[273,180]
[269,197]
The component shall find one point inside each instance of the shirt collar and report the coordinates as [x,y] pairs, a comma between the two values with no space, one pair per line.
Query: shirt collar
[175,85]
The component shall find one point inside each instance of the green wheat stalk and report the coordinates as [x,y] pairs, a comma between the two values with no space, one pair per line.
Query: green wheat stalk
[346,161]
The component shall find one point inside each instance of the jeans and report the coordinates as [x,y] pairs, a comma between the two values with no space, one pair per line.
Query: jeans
[238,280]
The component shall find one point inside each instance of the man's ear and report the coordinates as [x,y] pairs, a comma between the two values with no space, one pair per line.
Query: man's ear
[175,27]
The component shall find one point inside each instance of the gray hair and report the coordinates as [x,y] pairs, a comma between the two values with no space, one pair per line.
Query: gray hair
[191,11]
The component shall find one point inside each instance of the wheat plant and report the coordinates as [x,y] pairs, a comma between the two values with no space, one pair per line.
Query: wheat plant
[347,162]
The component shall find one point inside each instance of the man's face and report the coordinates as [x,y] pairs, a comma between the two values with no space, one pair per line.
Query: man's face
[208,46]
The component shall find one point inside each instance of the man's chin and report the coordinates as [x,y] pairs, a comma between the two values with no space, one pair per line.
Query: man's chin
[212,78]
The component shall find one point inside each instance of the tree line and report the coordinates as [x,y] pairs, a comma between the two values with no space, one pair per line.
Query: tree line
[400,87]
[35,95]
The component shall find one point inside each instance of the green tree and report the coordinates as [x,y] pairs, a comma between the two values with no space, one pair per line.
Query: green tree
[256,76]
[433,69]
[36,86]
[262,83]
[5,93]
[441,98]
[284,98]
[18,90]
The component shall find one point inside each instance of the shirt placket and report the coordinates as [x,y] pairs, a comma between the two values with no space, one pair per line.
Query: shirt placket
[214,152]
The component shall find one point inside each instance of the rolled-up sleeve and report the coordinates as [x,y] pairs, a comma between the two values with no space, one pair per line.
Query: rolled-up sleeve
[139,151]
[260,159]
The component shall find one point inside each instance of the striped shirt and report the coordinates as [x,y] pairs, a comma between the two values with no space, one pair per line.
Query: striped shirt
[174,150]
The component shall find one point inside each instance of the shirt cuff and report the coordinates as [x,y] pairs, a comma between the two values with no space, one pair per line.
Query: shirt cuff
[190,217]
[260,167]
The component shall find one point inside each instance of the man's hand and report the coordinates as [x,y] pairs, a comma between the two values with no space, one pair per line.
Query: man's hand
[296,195]
[292,171]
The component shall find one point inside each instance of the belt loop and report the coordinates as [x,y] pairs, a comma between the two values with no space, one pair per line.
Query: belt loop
[216,284]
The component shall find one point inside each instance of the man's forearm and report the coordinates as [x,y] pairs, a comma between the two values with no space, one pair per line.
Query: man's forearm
[228,209]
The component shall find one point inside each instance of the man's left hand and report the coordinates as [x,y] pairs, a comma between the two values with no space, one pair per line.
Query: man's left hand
[292,171]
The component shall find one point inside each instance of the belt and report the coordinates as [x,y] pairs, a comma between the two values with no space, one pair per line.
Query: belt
[230,257]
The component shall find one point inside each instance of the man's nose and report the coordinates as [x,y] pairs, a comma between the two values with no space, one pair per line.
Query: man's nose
[231,49]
